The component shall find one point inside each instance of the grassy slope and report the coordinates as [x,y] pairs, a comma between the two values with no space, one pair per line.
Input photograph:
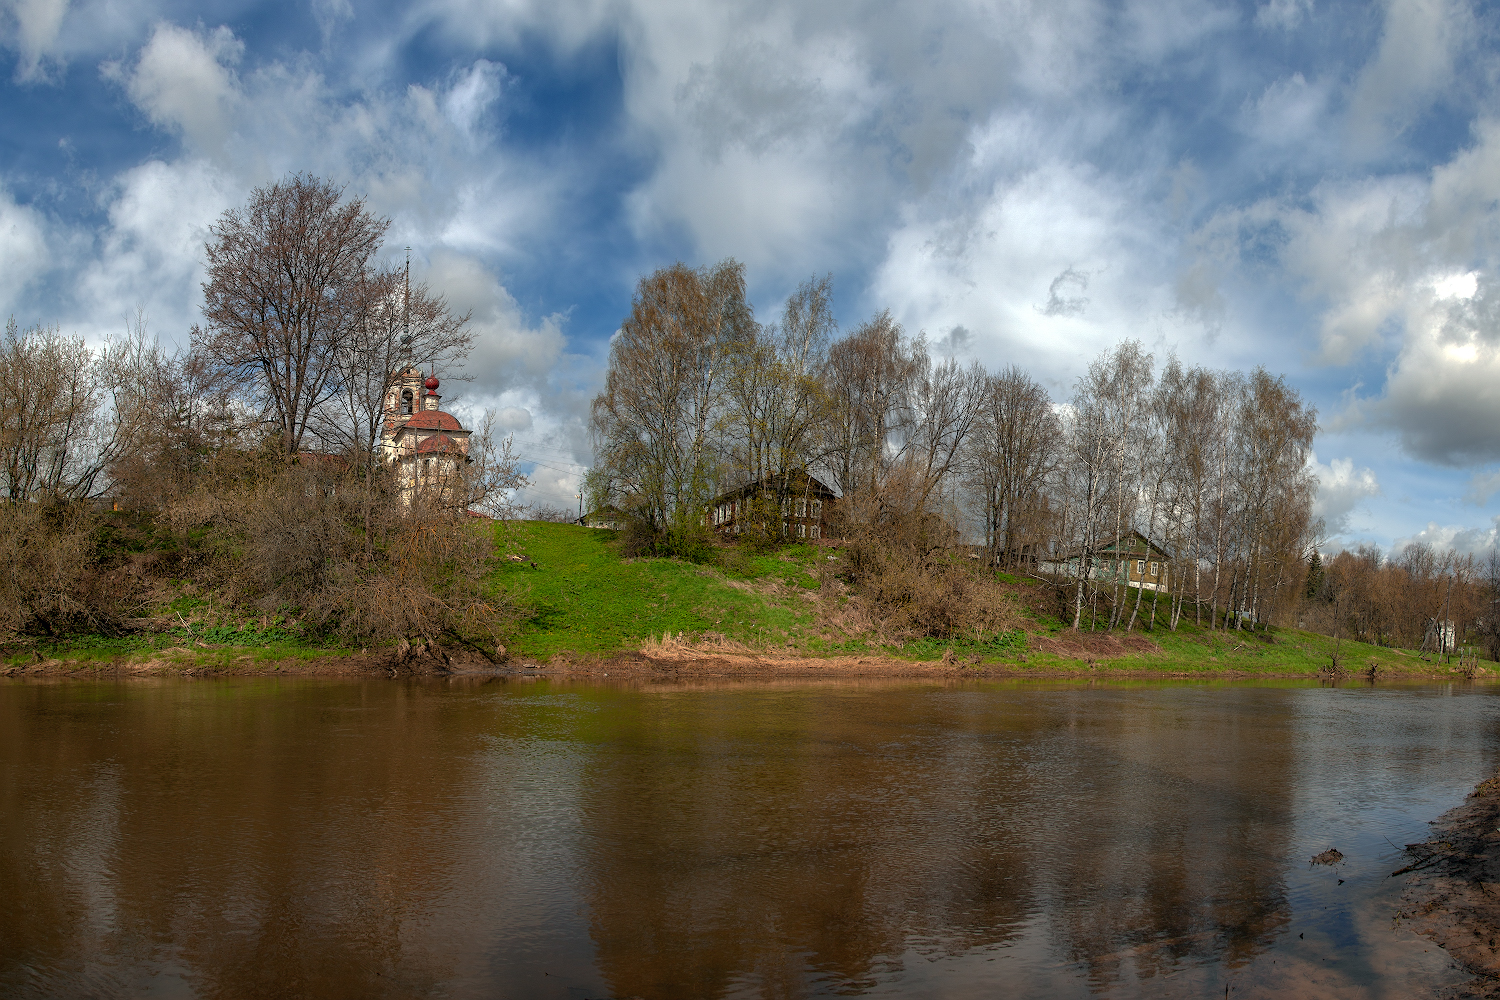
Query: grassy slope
[589,600]
[584,598]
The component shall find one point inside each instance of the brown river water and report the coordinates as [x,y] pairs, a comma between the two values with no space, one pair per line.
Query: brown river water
[492,838]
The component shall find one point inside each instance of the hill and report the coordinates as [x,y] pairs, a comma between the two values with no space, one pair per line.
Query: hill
[583,602]
[589,601]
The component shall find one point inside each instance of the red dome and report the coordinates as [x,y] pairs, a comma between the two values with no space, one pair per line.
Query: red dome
[431,383]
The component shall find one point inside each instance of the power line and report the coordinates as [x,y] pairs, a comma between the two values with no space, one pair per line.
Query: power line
[548,493]
[544,465]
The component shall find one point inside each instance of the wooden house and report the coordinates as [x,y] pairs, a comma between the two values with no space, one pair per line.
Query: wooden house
[1132,559]
[797,501]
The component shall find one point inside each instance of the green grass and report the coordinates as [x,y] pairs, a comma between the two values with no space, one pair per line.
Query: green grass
[584,598]
[580,596]
[1192,648]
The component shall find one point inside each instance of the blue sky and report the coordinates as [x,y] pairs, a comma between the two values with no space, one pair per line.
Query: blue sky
[1305,185]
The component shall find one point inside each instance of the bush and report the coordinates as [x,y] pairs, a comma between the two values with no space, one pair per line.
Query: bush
[52,580]
[908,575]
[689,542]
[354,562]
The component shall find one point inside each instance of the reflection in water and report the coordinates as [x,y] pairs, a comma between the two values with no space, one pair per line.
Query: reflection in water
[257,838]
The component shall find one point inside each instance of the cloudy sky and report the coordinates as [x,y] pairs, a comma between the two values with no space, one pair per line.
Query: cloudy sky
[1307,185]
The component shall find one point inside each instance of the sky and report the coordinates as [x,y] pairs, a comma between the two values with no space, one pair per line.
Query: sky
[1308,186]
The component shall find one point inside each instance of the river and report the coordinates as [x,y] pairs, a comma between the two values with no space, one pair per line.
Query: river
[500,838]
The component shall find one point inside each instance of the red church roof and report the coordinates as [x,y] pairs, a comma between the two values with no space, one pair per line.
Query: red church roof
[434,420]
[437,443]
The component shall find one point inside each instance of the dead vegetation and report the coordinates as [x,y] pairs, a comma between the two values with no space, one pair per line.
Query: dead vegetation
[247,472]
[904,573]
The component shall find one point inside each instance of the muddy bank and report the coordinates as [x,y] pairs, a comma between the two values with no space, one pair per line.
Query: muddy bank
[1084,656]
[632,665]
[183,661]
[1452,893]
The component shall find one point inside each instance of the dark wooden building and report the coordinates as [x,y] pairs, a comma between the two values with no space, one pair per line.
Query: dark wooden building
[798,502]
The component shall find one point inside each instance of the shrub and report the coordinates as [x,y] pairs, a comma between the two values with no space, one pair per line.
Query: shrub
[52,580]
[908,575]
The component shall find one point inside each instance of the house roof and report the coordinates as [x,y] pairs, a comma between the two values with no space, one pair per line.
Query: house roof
[437,444]
[1133,543]
[797,477]
[432,420]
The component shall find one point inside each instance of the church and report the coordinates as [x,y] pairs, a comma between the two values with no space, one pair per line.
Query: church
[425,446]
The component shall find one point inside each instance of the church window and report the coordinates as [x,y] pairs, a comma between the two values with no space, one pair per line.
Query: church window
[406,400]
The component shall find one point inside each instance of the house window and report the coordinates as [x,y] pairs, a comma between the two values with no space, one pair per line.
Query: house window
[801,507]
[815,532]
[817,510]
[801,531]
[1140,567]
[1153,569]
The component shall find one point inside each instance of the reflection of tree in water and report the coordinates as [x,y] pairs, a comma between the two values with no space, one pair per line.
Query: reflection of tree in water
[265,850]
[1169,849]
[270,842]
[795,841]
[812,841]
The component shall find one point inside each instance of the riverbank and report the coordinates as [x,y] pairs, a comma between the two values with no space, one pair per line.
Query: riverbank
[667,659]
[586,610]
[1452,894]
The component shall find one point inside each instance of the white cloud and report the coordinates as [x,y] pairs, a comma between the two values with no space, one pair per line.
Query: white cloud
[509,354]
[1482,486]
[150,255]
[34,26]
[472,94]
[24,253]
[1159,28]
[1290,113]
[1413,64]
[509,419]
[183,82]
[1462,539]
[1342,489]
[1045,259]
[1283,14]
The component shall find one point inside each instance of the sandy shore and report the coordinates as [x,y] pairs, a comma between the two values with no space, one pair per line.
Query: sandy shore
[1452,893]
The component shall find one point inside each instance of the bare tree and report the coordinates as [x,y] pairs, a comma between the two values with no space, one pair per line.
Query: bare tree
[773,384]
[1088,467]
[68,413]
[869,380]
[656,422]
[393,325]
[1017,443]
[286,277]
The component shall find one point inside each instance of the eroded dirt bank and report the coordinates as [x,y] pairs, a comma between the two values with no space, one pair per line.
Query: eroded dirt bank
[1452,893]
